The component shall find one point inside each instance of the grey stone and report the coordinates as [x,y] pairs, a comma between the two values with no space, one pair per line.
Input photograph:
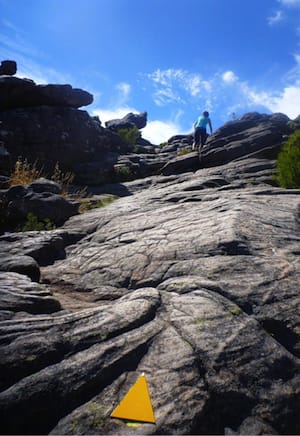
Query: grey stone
[130,120]
[20,93]
[8,68]
[192,280]
[45,185]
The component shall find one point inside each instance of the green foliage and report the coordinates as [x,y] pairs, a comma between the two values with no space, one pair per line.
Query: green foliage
[235,310]
[33,223]
[288,163]
[123,172]
[184,151]
[88,204]
[163,144]
[292,124]
[97,415]
[130,135]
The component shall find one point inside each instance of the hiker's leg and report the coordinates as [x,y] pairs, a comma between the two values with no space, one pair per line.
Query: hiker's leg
[202,137]
[196,137]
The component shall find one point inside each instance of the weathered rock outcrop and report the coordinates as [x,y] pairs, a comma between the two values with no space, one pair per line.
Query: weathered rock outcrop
[43,123]
[72,139]
[127,122]
[20,93]
[41,198]
[253,134]
[193,280]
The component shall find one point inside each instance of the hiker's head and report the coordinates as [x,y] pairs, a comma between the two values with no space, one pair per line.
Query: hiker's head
[205,114]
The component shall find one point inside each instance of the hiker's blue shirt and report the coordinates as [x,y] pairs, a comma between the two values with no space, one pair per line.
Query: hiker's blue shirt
[202,122]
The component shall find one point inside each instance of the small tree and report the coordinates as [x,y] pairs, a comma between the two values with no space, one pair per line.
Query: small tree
[130,135]
[288,163]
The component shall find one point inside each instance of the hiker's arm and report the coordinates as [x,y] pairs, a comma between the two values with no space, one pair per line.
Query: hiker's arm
[210,127]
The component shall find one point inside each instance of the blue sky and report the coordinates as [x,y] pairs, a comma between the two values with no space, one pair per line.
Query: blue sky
[171,58]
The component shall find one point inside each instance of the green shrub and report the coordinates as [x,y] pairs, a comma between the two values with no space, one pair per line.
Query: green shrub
[88,204]
[130,135]
[183,151]
[123,172]
[33,223]
[163,144]
[288,163]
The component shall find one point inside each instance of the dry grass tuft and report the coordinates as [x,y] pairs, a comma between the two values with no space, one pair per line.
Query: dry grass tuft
[24,173]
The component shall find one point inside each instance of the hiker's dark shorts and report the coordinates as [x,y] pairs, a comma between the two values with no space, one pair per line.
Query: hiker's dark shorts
[200,136]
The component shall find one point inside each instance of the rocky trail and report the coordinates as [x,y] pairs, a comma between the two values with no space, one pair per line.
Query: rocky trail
[197,287]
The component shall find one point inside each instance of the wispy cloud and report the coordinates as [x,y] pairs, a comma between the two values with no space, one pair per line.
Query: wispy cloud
[14,45]
[124,90]
[224,92]
[297,59]
[13,39]
[174,85]
[291,3]
[276,18]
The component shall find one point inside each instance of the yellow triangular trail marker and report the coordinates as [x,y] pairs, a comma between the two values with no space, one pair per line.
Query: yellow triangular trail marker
[136,405]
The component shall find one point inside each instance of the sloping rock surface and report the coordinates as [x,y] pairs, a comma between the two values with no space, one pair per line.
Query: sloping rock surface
[193,279]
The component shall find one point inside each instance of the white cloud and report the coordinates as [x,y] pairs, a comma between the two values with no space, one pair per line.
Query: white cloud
[287,102]
[276,18]
[229,77]
[112,114]
[160,131]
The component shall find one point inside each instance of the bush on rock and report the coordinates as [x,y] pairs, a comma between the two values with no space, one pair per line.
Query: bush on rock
[288,163]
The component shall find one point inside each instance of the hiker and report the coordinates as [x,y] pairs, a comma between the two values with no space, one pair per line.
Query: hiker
[200,134]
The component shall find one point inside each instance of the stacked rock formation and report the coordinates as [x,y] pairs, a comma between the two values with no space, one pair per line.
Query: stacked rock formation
[43,123]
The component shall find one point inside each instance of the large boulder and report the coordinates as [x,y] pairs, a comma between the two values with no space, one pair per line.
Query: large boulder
[40,199]
[252,134]
[8,68]
[43,206]
[20,93]
[130,120]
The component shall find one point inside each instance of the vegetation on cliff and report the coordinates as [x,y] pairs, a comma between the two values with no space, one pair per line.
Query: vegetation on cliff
[288,162]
